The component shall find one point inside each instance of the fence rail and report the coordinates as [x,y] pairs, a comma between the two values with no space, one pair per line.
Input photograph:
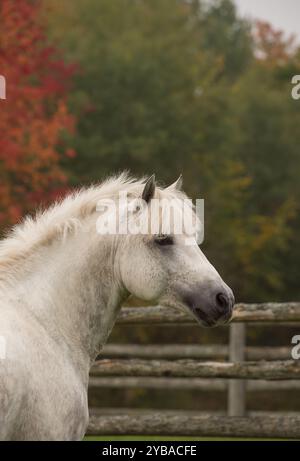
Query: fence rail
[191,351]
[287,369]
[213,385]
[265,312]
[163,423]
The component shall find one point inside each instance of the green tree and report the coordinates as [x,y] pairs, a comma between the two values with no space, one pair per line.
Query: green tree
[144,66]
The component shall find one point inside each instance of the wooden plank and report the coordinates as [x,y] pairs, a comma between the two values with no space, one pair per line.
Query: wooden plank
[264,312]
[237,388]
[200,384]
[202,425]
[289,369]
[100,411]
[165,351]
[190,351]
[157,383]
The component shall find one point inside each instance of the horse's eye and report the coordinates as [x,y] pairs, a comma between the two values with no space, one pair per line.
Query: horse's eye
[164,239]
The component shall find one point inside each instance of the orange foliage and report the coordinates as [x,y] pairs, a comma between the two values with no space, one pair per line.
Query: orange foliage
[33,115]
[272,46]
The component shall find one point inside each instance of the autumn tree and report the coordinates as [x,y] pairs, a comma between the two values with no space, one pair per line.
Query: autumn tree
[271,45]
[34,117]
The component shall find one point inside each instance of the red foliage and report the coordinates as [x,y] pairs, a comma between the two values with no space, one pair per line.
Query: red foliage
[272,46]
[33,115]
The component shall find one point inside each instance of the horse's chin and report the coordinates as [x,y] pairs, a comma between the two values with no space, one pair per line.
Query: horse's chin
[211,323]
[202,319]
[206,323]
[215,323]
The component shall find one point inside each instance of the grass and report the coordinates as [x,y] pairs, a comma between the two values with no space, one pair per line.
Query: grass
[153,438]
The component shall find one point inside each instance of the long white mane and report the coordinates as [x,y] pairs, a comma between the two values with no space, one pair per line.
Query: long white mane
[64,217]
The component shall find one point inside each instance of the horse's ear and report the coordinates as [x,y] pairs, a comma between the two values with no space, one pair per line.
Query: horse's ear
[149,189]
[177,185]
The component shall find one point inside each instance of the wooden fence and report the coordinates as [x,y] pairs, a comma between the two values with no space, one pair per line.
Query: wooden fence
[236,368]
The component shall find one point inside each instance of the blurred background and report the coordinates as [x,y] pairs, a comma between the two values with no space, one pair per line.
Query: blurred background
[201,88]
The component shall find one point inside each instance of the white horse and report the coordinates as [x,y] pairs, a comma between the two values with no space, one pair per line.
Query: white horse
[62,285]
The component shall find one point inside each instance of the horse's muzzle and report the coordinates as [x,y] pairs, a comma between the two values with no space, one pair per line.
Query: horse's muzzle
[210,308]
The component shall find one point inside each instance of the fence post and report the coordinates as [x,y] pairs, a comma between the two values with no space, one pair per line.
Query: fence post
[237,387]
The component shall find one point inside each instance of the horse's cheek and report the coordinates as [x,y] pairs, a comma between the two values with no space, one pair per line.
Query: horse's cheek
[144,281]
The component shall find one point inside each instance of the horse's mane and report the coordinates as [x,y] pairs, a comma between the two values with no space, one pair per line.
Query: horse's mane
[62,218]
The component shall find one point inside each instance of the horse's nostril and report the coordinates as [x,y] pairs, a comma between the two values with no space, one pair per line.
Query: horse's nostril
[222,301]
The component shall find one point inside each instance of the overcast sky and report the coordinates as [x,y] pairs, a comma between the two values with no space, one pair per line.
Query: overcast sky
[283,14]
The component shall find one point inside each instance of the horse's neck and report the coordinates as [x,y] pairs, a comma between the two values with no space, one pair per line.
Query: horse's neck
[72,289]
